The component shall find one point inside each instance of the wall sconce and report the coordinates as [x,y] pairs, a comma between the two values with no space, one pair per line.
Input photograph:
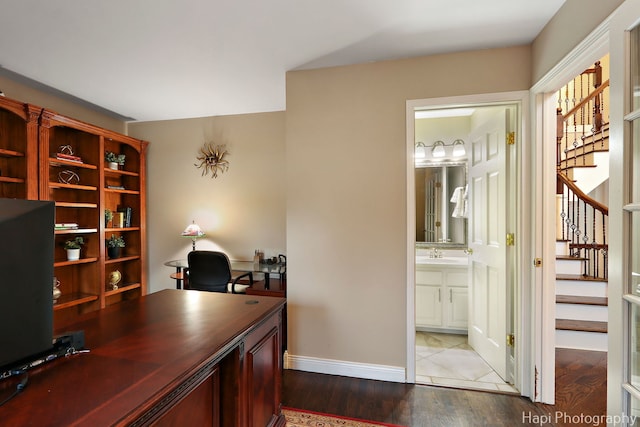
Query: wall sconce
[438,149]
[193,231]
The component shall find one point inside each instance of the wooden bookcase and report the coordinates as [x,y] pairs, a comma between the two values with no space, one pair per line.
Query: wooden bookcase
[18,149]
[83,187]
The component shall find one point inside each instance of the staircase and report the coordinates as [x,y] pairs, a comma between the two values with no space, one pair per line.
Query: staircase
[581,304]
[581,248]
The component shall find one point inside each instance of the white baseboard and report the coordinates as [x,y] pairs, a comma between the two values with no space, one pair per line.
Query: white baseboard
[347,369]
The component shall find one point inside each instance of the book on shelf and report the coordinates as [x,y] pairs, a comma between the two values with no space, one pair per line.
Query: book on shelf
[127,212]
[115,187]
[118,219]
[69,157]
[66,226]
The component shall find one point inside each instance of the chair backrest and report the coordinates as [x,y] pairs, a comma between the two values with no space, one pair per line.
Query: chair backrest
[209,271]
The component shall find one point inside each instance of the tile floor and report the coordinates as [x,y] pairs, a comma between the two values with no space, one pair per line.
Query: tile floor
[447,360]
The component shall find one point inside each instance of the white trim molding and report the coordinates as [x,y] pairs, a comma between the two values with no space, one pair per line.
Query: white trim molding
[523,373]
[543,174]
[344,368]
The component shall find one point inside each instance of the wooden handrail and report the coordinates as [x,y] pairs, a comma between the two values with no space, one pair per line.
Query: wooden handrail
[592,95]
[581,195]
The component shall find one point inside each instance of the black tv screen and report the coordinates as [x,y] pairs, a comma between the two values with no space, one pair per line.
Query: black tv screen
[26,279]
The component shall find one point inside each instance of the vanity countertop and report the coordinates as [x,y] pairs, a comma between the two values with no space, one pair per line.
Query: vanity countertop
[424,257]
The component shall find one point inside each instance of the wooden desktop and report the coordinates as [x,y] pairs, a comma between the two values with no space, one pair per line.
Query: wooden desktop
[173,357]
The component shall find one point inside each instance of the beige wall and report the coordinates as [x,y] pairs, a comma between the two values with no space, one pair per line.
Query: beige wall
[241,210]
[336,189]
[572,24]
[23,93]
[346,194]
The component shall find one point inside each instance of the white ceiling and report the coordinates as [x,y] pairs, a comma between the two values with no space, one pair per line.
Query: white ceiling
[169,59]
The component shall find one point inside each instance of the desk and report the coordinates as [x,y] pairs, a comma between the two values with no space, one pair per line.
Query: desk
[167,358]
[178,264]
[267,269]
[242,266]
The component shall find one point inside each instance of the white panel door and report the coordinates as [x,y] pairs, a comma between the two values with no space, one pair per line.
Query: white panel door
[487,236]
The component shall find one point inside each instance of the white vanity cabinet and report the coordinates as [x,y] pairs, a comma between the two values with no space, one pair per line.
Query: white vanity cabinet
[441,297]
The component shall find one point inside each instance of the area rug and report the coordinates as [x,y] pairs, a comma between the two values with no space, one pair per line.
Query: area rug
[303,418]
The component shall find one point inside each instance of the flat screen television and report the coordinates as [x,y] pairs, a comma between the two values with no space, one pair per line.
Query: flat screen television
[26,279]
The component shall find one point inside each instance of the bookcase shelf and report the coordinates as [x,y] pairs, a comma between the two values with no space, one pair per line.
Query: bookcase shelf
[73,300]
[72,186]
[121,289]
[68,163]
[109,171]
[10,153]
[75,262]
[121,191]
[121,229]
[77,231]
[122,259]
[11,180]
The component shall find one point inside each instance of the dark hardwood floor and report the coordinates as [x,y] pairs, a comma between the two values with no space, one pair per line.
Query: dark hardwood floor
[580,389]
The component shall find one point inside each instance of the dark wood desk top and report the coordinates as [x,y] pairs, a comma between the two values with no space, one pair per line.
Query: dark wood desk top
[140,350]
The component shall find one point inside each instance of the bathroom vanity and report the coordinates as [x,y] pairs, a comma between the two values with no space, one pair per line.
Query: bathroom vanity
[441,293]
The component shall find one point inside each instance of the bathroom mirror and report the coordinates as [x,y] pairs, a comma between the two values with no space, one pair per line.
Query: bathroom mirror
[441,211]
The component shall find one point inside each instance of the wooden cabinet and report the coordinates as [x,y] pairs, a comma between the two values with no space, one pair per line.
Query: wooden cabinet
[441,298]
[73,173]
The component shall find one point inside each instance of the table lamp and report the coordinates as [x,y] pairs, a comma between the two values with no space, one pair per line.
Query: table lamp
[193,232]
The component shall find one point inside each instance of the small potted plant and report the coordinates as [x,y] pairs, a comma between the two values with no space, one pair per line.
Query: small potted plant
[73,248]
[108,216]
[114,159]
[114,246]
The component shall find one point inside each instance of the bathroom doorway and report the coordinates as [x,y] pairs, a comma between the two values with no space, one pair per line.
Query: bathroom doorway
[460,291]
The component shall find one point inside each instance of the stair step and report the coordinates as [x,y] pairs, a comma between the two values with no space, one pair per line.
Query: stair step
[598,141]
[590,147]
[566,264]
[582,300]
[581,325]
[580,278]
[562,247]
[584,288]
[567,168]
[580,160]
[591,341]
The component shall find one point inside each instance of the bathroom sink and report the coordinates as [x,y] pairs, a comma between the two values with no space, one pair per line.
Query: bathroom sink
[425,259]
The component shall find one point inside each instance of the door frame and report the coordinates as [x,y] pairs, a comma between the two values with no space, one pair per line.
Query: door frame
[543,168]
[523,324]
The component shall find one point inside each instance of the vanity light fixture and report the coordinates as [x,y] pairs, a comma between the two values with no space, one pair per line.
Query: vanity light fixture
[438,149]
[458,148]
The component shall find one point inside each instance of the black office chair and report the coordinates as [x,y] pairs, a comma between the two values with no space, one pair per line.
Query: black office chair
[211,271]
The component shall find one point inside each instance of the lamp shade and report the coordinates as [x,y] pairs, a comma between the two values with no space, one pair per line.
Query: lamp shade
[420,152]
[458,148]
[193,230]
[438,149]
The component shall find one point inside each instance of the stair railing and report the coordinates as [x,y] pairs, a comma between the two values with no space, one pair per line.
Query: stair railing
[581,125]
[581,130]
[584,225]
